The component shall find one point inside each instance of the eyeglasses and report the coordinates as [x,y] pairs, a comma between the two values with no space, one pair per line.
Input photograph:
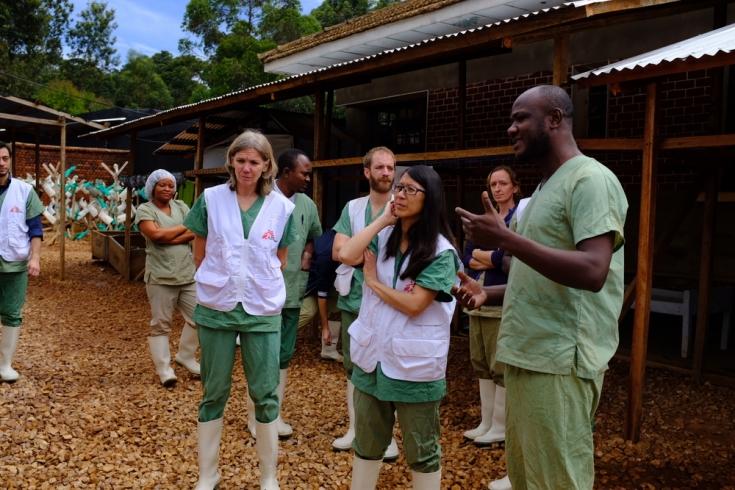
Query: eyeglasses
[408,189]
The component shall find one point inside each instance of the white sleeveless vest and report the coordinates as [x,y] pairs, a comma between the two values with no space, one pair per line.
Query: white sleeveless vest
[15,245]
[236,269]
[356,210]
[408,348]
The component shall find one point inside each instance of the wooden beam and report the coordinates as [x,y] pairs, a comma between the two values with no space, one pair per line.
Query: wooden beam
[327,149]
[62,200]
[709,141]
[128,209]
[461,103]
[37,159]
[561,59]
[54,112]
[28,119]
[317,190]
[318,123]
[705,272]
[644,274]
[199,158]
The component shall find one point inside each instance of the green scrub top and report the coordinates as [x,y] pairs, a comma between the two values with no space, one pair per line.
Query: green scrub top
[440,275]
[34,207]
[236,319]
[555,329]
[351,302]
[307,226]
[170,265]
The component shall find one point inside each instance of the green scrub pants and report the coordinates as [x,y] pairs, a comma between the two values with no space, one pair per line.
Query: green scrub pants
[347,319]
[484,328]
[259,352]
[420,426]
[289,330]
[13,286]
[548,439]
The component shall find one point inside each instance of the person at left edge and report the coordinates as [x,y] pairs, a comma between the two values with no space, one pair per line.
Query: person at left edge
[242,231]
[21,233]
[294,176]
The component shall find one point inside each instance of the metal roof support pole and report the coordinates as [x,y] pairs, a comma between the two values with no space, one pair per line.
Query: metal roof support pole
[644,275]
[62,199]
[199,158]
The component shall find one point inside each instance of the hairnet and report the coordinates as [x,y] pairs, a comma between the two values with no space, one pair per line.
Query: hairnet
[153,179]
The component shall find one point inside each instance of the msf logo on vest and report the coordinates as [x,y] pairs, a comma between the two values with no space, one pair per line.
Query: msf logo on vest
[15,209]
[269,235]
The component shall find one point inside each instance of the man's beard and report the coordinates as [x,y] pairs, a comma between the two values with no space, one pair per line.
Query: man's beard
[537,147]
[380,186]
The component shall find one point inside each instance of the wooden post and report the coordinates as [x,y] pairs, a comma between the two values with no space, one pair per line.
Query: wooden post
[705,272]
[128,210]
[462,103]
[327,147]
[62,199]
[561,59]
[644,276]
[37,160]
[317,191]
[318,123]
[199,158]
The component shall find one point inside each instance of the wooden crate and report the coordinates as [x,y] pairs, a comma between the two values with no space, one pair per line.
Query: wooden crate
[100,246]
[116,252]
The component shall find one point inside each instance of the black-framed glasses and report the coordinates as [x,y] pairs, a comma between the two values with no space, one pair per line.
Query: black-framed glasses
[408,189]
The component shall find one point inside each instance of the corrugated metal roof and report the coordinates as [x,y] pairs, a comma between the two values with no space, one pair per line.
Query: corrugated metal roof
[720,41]
[163,114]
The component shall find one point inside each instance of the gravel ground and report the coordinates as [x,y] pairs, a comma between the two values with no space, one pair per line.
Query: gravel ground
[88,411]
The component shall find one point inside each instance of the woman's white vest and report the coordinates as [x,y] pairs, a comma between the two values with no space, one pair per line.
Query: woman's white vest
[407,348]
[356,211]
[15,245]
[238,270]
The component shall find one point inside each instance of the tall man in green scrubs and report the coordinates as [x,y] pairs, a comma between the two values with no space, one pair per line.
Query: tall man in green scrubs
[20,255]
[379,168]
[563,297]
[294,175]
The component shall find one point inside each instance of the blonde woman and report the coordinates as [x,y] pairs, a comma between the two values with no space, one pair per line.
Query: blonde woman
[242,231]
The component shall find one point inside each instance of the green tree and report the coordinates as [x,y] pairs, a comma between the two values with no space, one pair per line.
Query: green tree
[92,39]
[332,12]
[281,21]
[31,34]
[64,96]
[182,75]
[139,85]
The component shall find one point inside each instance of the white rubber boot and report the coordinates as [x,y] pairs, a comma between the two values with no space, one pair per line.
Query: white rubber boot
[330,352]
[487,397]
[188,343]
[344,443]
[209,435]
[284,430]
[427,481]
[8,343]
[251,417]
[391,454]
[502,484]
[162,359]
[267,448]
[497,430]
[364,473]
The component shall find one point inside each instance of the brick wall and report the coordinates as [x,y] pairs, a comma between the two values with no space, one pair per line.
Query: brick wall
[86,160]
[685,109]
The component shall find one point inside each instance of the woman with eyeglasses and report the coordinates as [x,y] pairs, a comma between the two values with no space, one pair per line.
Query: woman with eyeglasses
[400,340]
